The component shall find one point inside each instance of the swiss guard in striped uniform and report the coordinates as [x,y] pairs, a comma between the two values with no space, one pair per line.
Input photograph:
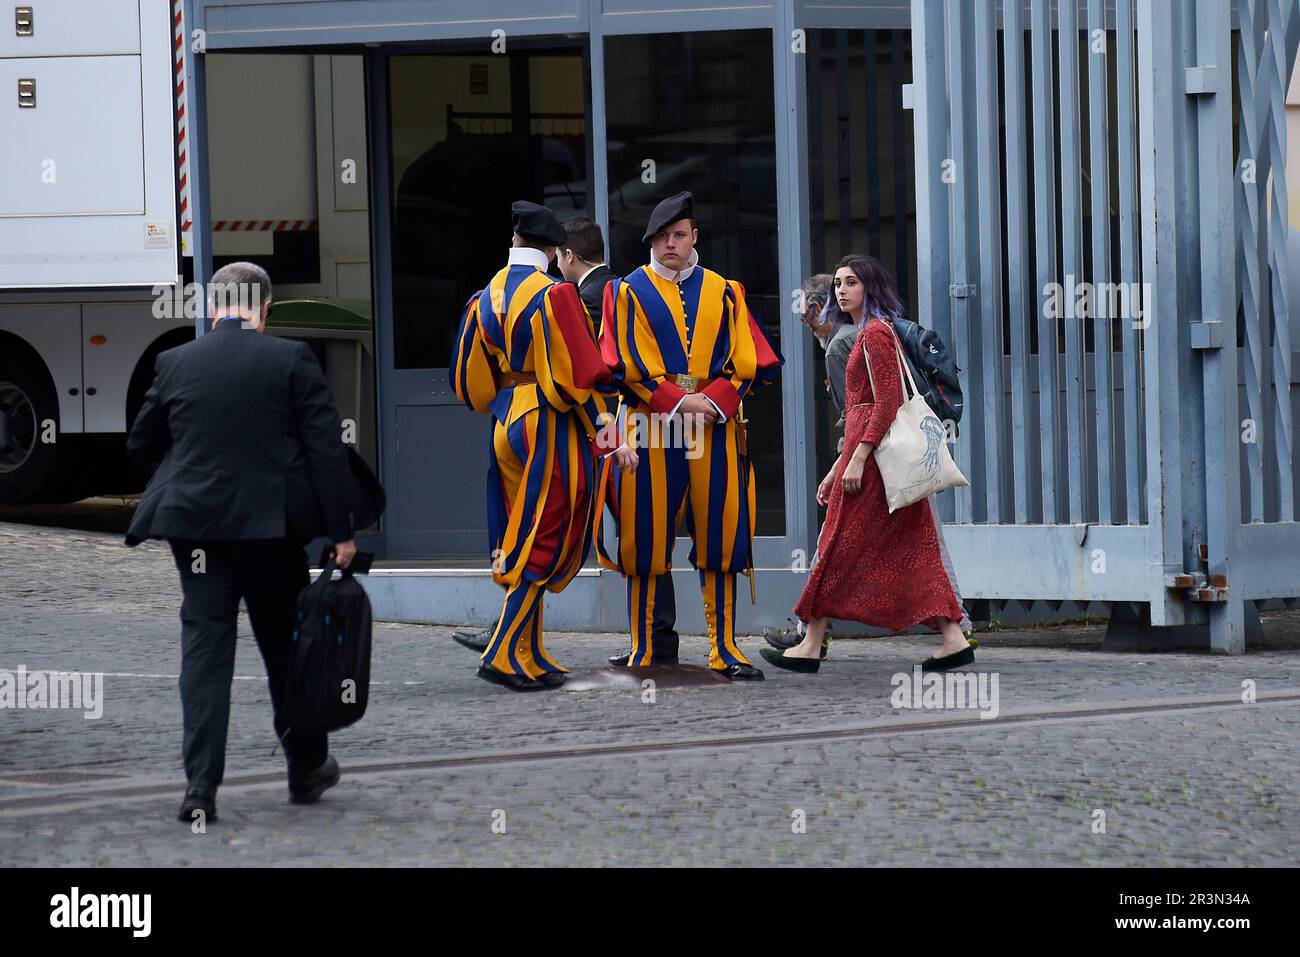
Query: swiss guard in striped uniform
[526,354]
[685,351]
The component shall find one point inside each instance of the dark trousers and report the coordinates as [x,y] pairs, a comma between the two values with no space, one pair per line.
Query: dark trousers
[267,575]
[664,625]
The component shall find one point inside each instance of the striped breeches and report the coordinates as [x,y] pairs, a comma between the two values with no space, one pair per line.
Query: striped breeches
[719,592]
[539,523]
[516,646]
[701,478]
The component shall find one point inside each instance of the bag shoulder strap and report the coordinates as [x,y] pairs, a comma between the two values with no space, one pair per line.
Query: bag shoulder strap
[904,369]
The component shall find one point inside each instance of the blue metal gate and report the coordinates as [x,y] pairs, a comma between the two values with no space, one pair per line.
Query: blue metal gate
[1103,264]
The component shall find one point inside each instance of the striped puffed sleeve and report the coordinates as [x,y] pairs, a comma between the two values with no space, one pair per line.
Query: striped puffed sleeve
[629,348]
[752,358]
[471,369]
[569,368]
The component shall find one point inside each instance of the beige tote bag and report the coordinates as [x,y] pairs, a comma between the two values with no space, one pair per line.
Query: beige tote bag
[913,456]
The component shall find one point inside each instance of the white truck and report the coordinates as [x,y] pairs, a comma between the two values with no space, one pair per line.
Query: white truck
[95,267]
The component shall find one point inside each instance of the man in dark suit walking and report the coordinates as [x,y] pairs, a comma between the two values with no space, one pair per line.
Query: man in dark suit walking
[250,467]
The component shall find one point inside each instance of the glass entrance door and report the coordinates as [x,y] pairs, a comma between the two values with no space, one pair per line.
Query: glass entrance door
[468,134]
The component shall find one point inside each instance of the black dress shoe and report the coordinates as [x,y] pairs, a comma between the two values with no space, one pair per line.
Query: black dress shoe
[198,799]
[309,789]
[512,681]
[553,679]
[964,657]
[473,640]
[741,673]
[807,666]
[622,661]
[782,638]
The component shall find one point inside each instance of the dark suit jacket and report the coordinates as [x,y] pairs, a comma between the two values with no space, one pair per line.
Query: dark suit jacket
[247,442]
[592,293]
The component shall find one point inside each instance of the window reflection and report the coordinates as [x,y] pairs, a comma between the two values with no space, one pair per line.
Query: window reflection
[695,111]
[469,135]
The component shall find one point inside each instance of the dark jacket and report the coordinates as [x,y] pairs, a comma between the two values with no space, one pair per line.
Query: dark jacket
[592,293]
[246,441]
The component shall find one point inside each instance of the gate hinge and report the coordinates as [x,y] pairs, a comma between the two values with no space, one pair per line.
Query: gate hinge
[1200,80]
[1207,335]
[963,290]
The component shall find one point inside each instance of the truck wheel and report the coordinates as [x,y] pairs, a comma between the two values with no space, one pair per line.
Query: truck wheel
[27,405]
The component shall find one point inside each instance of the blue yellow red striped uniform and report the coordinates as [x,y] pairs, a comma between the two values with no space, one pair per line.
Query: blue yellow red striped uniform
[654,329]
[540,471]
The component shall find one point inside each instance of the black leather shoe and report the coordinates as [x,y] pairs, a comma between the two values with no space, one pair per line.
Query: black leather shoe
[473,640]
[511,681]
[622,661]
[807,666]
[783,639]
[309,789]
[956,660]
[741,673]
[198,799]
[553,679]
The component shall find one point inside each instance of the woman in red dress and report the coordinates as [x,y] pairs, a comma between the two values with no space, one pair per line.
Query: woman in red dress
[872,566]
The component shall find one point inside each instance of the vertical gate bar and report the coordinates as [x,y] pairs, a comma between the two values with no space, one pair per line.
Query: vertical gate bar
[1129,250]
[816,149]
[990,275]
[1019,296]
[1284,21]
[962,169]
[1075,434]
[790,120]
[1219,304]
[1040,28]
[842,127]
[1161,86]
[902,175]
[930,118]
[1099,168]
[1249,184]
[869,114]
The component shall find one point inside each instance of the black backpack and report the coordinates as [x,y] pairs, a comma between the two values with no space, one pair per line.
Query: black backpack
[933,367]
[328,682]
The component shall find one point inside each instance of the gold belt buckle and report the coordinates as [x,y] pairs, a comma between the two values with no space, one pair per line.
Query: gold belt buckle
[688,383]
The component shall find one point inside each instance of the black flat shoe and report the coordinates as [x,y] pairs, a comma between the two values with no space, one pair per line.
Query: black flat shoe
[473,640]
[783,639]
[807,666]
[741,673]
[309,789]
[513,682]
[198,799]
[956,660]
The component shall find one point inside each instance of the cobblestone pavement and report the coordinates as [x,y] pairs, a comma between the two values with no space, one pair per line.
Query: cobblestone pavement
[1210,784]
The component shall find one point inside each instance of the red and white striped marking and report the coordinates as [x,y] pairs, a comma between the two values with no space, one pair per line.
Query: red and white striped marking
[182,147]
[265,226]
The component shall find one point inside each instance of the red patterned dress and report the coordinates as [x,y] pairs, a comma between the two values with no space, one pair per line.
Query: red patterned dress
[873,567]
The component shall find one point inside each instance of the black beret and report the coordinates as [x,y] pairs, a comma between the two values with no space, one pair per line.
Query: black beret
[681,206]
[537,223]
